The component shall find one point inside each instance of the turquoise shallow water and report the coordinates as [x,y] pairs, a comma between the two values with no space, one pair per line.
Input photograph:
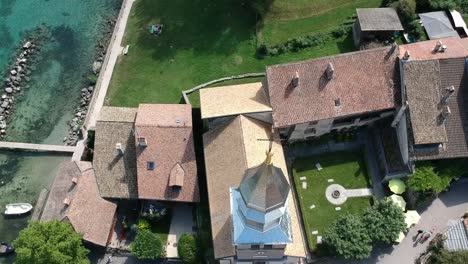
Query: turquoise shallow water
[47,105]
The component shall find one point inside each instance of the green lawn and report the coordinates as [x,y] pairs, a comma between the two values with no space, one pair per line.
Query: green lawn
[205,40]
[318,16]
[345,168]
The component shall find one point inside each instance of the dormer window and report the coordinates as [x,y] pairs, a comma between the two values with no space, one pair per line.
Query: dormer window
[150,165]
[142,142]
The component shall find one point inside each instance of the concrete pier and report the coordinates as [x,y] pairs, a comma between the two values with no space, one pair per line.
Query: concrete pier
[36,147]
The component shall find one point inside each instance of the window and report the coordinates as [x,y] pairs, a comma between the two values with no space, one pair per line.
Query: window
[150,165]
[254,246]
[267,246]
[142,142]
[344,121]
[313,123]
[310,131]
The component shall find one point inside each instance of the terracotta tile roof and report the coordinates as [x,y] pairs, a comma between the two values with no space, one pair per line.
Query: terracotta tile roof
[425,49]
[117,114]
[88,213]
[378,19]
[164,115]
[423,93]
[453,72]
[464,42]
[233,100]
[169,143]
[362,82]
[115,173]
[230,149]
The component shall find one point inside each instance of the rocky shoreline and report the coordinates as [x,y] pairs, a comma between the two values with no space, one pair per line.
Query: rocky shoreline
[20,69]
[76,124]
[18,74]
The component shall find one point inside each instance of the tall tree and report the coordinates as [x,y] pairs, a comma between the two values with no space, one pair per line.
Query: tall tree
[348,237]
[51,242]
[384,221]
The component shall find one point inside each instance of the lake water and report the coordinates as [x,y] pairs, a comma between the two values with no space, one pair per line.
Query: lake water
[48,103]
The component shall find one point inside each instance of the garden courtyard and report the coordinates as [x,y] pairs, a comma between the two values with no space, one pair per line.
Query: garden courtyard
[344,168]
[205,40]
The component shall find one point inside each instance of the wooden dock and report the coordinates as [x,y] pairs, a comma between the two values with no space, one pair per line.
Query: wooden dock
[36,147]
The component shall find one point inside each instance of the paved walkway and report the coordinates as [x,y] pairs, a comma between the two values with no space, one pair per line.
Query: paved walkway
[344,193]
[181,223]
[105,75]
[436,216]
[359,192]
[449,205]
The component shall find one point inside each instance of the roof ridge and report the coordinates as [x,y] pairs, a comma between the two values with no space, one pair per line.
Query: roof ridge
[358,52]
[244,150]
[163,126]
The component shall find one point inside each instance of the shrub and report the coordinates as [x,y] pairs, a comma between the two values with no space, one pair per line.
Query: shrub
[294,44]
[451,168]
[188,249]
[143,224]
[341,31]
[444,4]
[147,245]
[407,10]
[348,237]
[425,179]
[438,254]
[156,216]
[262,51]
[415,29]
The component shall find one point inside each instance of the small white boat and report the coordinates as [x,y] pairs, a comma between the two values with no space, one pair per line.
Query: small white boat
[17,208]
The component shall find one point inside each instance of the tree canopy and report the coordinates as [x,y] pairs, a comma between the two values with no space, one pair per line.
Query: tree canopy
[425,179]
[188,249]
[384,221]
[51,242]
[147,245]
[349,238]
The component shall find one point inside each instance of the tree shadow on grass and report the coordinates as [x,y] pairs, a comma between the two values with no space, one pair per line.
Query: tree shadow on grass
[202,26]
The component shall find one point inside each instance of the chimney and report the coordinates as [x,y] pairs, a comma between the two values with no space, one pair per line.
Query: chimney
[118,147]
[330,70]
[295,80]
[440,47]
[446,112]
[450,91]
[142,142]
[66,201]
[406,56]
[337,102]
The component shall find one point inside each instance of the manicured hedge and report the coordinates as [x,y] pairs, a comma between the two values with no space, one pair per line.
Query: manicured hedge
[302,42]
[188,249]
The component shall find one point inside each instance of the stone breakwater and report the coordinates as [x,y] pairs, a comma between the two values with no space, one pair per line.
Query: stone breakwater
[18,75]
[76,124]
